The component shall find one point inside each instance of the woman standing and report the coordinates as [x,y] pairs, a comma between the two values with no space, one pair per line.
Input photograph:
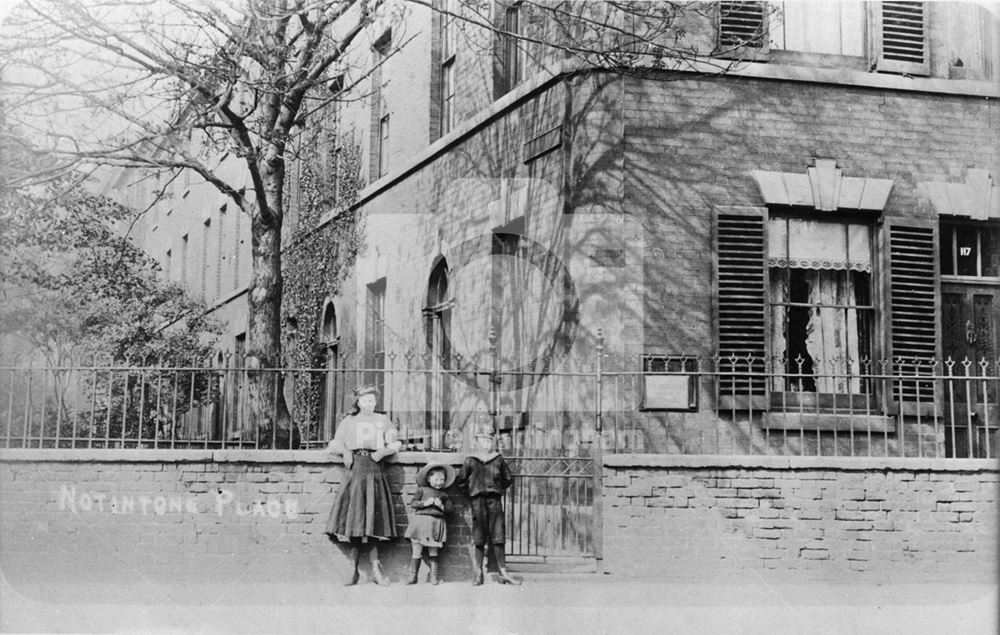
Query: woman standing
[362,512]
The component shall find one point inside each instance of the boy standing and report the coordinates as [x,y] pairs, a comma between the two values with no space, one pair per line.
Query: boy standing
[486,477]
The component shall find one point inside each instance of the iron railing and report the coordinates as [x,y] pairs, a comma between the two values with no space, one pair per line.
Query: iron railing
[648,404]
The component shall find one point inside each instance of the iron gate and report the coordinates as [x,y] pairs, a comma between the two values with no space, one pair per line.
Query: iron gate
[553,509]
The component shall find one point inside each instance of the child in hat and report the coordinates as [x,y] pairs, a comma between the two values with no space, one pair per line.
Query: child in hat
[362,512]
[427,524]
[485,476]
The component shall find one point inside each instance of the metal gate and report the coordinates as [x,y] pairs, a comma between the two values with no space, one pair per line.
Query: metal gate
[553,510]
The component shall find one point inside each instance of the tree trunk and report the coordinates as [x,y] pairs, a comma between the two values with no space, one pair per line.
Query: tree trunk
[270,418]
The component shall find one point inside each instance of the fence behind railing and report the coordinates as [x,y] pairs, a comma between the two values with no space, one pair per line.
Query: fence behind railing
[721,405]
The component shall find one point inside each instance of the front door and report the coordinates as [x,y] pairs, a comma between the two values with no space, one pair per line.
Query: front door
[970,344]
[970,325]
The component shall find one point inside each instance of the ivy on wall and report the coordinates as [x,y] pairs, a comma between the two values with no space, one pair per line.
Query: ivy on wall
[318,258]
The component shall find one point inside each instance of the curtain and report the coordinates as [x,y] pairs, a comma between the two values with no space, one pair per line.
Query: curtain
[816,329]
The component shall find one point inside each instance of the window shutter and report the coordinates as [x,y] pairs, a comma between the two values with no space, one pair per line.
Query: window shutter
[741,293]
[900,38]
[914,298]
[742,25]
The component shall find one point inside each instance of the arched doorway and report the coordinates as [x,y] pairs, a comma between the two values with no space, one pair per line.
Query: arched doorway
[330,394]
[437,317]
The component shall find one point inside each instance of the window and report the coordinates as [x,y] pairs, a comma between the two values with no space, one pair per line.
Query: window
[742,26]
[447,96]
[220,257]
[379,129]
[168,263]
[970,250]
[802,293]
[237,248]
[375,338]
[512,46]
[972,37]
[827,27]
[184,260]
[383,146]
[447,70]
[899,37]
[509,65]
[330,394]
[206,230]
[820,304]
[437,325]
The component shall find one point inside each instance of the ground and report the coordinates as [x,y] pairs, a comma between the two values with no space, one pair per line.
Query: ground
[544,604]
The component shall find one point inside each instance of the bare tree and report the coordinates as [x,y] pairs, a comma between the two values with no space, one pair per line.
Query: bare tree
[172,85]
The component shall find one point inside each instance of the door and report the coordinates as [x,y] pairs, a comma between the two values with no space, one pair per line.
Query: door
[970,305]
[971,321]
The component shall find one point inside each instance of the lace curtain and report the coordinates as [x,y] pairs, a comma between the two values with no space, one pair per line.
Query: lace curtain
[819,277]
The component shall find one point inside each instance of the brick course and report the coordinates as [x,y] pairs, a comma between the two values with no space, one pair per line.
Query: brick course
[690,521]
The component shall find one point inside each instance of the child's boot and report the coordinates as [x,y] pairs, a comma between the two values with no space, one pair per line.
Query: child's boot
[504,578]
[477,567]
[433,561]
[414,571]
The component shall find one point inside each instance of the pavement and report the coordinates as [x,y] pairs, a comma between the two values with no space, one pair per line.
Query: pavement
[543,604]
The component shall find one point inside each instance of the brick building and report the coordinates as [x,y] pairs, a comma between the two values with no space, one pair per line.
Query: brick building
[825,206]
[734,273]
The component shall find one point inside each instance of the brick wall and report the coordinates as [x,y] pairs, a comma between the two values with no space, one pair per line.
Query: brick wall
[788,519]
[691,144]
[147,514]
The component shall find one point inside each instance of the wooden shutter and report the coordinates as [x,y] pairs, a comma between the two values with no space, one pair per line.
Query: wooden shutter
[913,293]
[900,38]
[742,25]
[740,281]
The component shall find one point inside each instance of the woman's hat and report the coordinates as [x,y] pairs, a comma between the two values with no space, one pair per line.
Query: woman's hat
[449,473]
[367,389]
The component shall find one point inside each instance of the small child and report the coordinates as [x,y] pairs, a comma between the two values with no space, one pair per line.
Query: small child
[486,477]
[427,525]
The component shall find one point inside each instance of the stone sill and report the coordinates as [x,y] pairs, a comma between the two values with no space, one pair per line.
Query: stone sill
[452,458]
[860,464]
[826,422]
[210,456]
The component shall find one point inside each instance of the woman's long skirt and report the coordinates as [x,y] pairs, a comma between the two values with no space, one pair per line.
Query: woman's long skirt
[363,507]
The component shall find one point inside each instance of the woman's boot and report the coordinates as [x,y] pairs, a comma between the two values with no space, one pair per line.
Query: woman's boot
[377,575]
[354,554]
[433,561]
[414,571]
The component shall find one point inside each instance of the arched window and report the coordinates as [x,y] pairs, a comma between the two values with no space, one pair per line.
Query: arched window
[437,315]
[330,397]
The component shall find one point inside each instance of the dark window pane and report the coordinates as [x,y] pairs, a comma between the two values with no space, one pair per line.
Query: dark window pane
[991,252]
[947,254]
[968,251]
